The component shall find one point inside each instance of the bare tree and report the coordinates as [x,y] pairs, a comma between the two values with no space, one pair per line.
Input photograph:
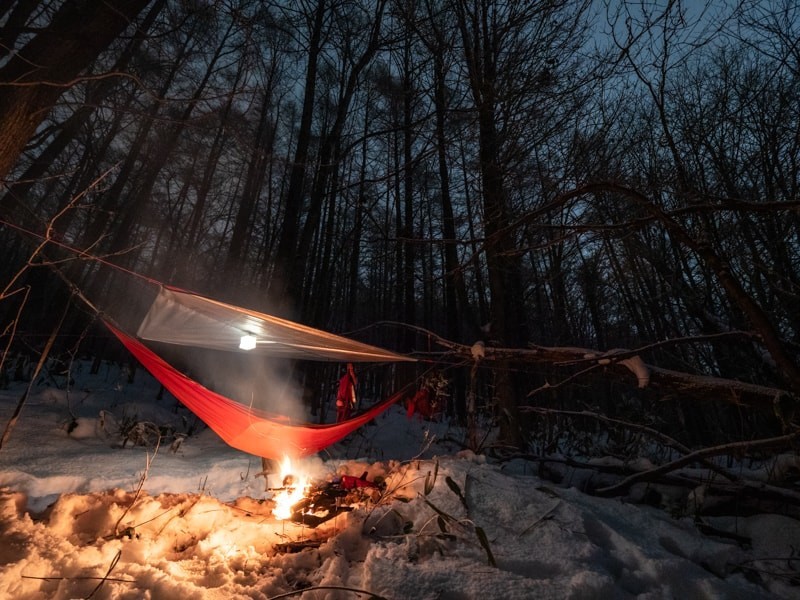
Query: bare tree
[506,54]
[38,73]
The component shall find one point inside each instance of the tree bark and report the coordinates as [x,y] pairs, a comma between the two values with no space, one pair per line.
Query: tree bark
[14,25]
[509,327]
[330,154]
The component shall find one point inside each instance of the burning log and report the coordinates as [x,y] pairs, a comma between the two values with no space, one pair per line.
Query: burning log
[324,501]
[302,502]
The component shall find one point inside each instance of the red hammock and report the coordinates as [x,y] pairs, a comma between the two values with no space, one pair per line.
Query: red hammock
[247,429]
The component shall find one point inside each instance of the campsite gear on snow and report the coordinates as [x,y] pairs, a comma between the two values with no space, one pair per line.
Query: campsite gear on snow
[188,319]
[430,398]
[420,404]
[184,318]
[350,482]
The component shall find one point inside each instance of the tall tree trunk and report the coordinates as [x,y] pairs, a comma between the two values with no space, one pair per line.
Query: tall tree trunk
[138,202]
[127,175]
[409,254]
[457,308]
[35,77]
[328,162]
[68,130]
[254,180]
[460,319]
[284,254]
[507,310]
[351,289]
[479,286]
[759,319]
[14,25]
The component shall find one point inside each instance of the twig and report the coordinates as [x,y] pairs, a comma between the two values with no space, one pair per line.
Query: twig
[42,358]
[617,355]
[181,513]
[548,387]
[12,330]
[548,514]
[105,577]
[78,578]
[792,578]
[327,587]
[50,232]
[139,488]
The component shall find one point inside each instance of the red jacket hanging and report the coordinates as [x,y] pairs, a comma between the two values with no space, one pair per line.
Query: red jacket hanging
[346,396]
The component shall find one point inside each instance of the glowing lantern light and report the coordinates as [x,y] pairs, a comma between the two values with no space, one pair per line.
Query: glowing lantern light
[248,342]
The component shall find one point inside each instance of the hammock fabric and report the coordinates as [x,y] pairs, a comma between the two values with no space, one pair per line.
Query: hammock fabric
[244,428]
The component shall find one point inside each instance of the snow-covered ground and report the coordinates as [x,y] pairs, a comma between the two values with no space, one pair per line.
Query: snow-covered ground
[84,516]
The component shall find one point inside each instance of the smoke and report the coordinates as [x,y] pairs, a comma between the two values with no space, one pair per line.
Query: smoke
[257,381]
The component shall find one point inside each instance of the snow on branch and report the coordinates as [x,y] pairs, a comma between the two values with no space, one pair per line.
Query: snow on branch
[621,363]
[634,364]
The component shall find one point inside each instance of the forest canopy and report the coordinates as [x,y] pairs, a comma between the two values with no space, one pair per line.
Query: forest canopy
[603,194]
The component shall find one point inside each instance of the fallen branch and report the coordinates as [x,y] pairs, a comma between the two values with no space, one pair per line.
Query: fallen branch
[621,364]
[731,448]
[754,489]
[742,488]
[707,529]
[664,439]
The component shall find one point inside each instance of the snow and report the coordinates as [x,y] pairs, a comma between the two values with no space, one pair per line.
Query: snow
[637,366]
[84,515]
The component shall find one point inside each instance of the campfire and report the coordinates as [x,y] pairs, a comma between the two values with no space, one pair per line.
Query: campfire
[293,489]
[309,503]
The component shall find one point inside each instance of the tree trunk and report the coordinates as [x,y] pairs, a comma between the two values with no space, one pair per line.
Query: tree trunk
[329,156]
[284,254]
[155,163]
[409,254]
[507,310]
[254,180]
[456,304]
[736,293]
[15,196]
[35,77]
[14,25]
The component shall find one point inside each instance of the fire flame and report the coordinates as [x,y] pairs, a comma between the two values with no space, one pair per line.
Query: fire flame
[294,487]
